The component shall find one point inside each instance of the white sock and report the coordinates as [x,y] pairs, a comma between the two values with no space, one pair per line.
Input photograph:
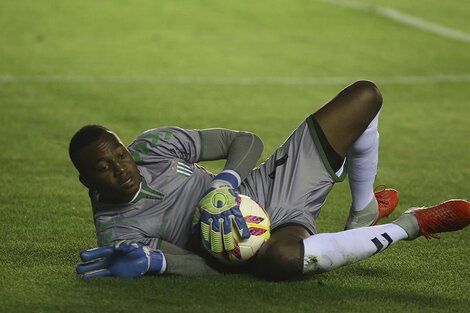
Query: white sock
[363,160]
[325,252]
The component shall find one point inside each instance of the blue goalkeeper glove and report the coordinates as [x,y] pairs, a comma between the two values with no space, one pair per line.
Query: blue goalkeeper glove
[217,211]
[126,259]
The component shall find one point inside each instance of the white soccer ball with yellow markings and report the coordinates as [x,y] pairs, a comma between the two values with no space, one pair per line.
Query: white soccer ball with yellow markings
[259,226]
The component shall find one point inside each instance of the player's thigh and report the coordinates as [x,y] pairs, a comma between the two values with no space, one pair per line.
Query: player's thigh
[345,117]
[292,185]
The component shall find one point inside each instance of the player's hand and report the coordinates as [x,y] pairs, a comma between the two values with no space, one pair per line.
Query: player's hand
[126,259]
[215,215]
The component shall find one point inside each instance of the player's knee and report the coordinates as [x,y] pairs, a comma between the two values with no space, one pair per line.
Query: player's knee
[280,259]
[371,95]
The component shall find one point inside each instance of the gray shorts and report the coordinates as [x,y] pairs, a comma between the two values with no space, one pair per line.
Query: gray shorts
[292,184]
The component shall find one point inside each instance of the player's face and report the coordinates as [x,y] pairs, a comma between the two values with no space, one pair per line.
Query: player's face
[107,166]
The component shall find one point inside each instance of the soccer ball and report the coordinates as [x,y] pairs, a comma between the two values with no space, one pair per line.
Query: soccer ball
[259,226]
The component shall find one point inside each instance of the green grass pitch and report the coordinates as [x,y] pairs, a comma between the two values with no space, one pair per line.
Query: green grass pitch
[262,66]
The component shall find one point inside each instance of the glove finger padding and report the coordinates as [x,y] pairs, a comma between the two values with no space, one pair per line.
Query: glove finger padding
[229,242]
[216,234]
[205,236]
[96,253]
[205,230]
[99,273]
[239,220]
[91,266]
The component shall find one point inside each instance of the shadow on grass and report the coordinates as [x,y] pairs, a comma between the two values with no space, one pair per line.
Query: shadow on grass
[52,285]
[212,294]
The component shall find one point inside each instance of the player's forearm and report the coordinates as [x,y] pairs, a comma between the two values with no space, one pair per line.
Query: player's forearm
[187,265]
[241,149]
[180,261]
[243,154]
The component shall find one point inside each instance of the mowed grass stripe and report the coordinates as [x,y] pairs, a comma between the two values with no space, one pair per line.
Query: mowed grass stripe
[409,79]
[406,19]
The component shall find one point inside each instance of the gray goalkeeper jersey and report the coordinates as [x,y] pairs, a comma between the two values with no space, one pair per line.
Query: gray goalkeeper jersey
[291,185]
[171,187]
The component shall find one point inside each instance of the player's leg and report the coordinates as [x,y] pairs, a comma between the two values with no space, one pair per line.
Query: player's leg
[291,251]
[325,252]
[350,124]
[280,258]
[345,118]
[301,162]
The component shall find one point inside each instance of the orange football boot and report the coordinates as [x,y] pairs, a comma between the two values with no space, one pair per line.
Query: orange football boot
[387,200]
[447,216]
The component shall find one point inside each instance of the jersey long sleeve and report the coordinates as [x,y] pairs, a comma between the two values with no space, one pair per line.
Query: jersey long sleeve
[180,261]
[241,149]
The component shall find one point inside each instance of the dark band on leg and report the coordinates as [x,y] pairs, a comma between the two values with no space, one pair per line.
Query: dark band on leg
[335,160]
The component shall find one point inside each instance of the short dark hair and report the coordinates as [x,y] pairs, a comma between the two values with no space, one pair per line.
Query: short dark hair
[82,138]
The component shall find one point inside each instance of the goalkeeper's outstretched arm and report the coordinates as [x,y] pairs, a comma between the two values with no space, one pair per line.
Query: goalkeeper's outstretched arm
[180,261]
[134,259]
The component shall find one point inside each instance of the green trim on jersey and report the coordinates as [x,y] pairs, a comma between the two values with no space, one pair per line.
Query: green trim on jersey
[105,239]
[162,229]
[146,196]
[201,146]
[323,157]
[143,147]
[153,137]
[167,135]
[148,193]
[103,225]
[104,236]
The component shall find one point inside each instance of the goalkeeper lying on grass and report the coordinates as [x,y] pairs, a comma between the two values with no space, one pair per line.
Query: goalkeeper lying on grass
[144,196]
